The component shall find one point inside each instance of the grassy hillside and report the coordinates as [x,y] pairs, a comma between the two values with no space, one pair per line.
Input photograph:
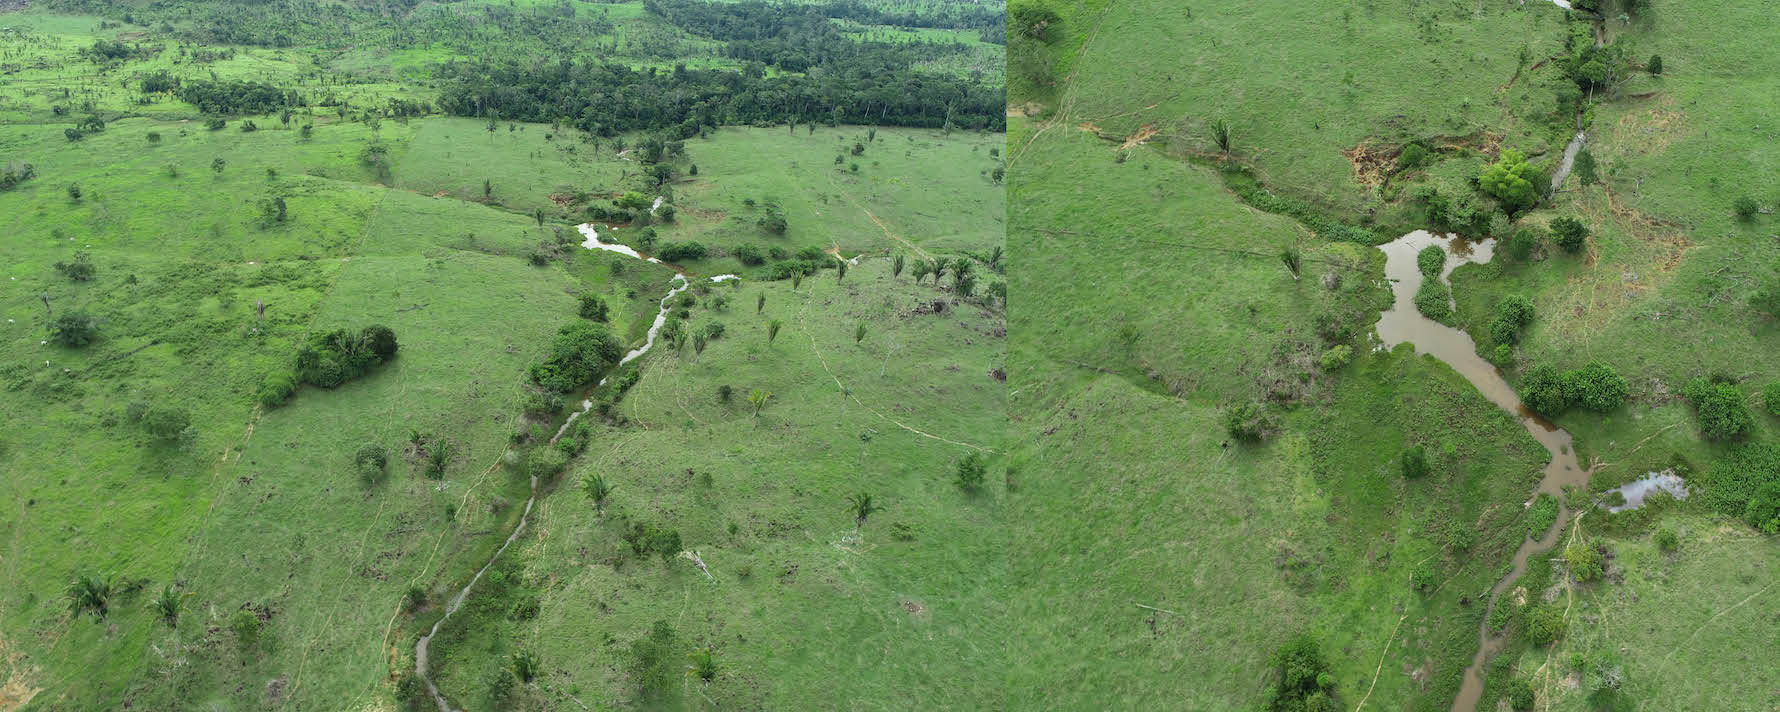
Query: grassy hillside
[460,239]
[800,608]
[1160,282]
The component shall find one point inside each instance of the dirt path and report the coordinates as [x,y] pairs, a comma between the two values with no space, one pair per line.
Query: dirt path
[1066,106]
[875,411]
[881,226]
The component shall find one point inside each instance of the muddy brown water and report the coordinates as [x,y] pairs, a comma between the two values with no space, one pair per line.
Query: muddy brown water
[1402,323]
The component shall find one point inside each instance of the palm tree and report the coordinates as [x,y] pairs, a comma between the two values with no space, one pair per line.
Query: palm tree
[922,268]
[861,506]
[757,398]
[91,592]
[840,271]
[598,490]
[525,665]
[759,302]
[704,664]
[772,330]
[995,256]
[167,605]
[896,265]
[961,271]
[698,343]
[796,279]
[1292,260]
[965,284]
[859,333]
[938,268]
[1220,132]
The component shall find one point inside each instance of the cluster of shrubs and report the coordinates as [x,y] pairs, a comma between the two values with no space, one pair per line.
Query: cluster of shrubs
[1596,386]
[579,353]
[600,212]
[1302,679]
[1746,484]
[645,538]
[329,359]
[1434,300]
[1720,407]
[681,251]
[163,423]
[13,174]
[1513,314]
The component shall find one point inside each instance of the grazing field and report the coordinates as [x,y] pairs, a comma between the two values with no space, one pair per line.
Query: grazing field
[799,606]
[187,530]
[1179,270]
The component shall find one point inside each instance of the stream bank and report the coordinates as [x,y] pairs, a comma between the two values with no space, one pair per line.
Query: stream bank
[1402,323]
[681,282]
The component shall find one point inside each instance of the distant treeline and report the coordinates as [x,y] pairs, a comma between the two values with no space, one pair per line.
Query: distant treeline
[607,98]
[828,77]
[755,20]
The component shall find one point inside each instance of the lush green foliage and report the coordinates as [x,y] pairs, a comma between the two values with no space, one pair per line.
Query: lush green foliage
[1569,233]
[1302,681]
[1746,484]
[1596,386]
[1511,180]
[74,329]
[580,352]
[1434,300]
[1414,462]
[330,358]
[1720,407]
[1513,313]
[1430,260]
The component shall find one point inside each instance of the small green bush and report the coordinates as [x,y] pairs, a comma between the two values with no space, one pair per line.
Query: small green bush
[1520,695]
[74,329]
[1414,462]
[1413,156]
[1336,357]
[1434,300]
[1544,625]
[1248,422]
[1745,207]
[1666,540]
[1598,387]
[1520,246]
[370,461]
[592,307]
[1430,260]
[1544,389]
[971,472]
[1569,234]
[1584,560]
[165,422]
[1513,313]
[277,388]
[546,462]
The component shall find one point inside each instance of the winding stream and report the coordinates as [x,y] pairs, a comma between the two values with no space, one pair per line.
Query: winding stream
[1403,323]
[592,243]
[1563,171]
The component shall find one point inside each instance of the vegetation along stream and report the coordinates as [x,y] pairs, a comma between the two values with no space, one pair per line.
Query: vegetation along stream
[680,284]
[1404,323]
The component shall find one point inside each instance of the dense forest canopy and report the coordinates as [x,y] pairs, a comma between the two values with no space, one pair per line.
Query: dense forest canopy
[557,62]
